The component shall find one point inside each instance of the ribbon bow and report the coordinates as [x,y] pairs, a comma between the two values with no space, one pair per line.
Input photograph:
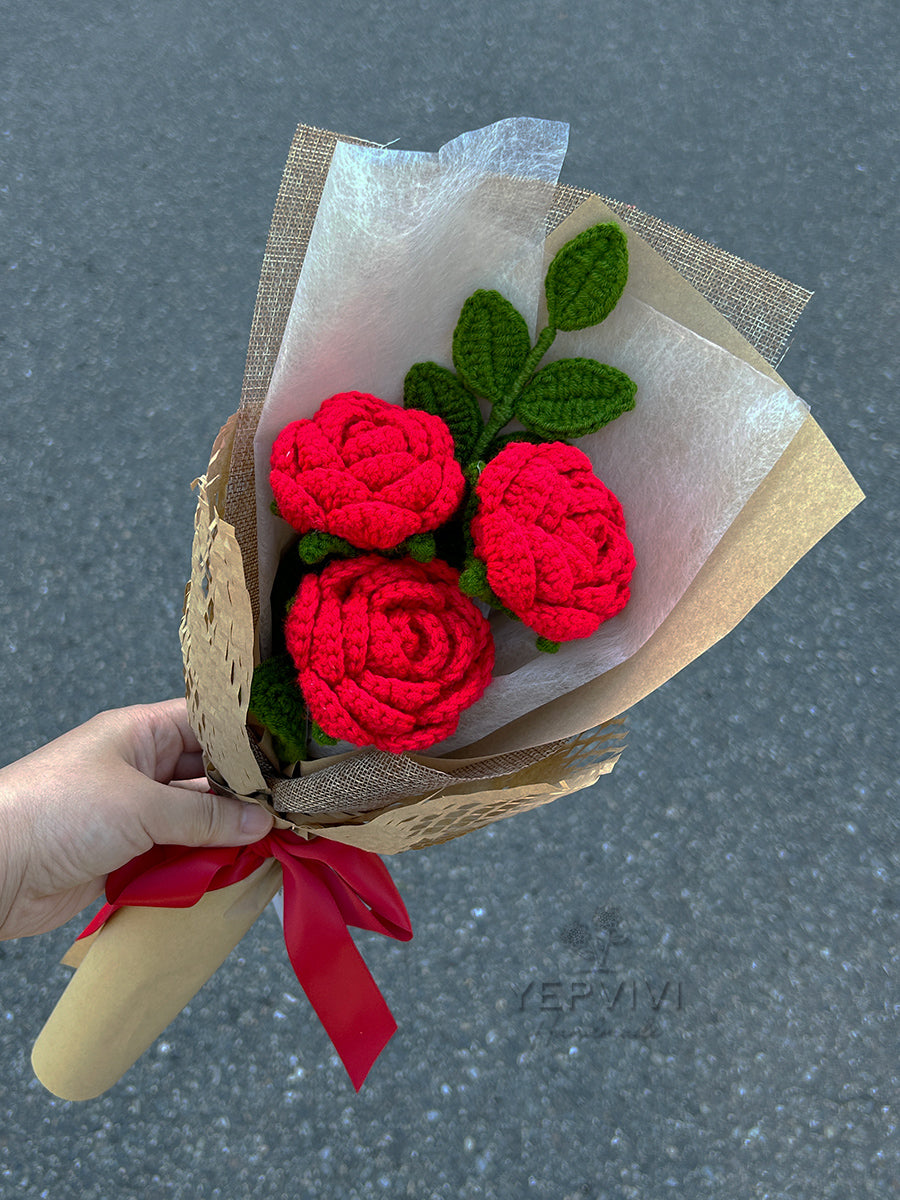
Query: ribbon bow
[327,886]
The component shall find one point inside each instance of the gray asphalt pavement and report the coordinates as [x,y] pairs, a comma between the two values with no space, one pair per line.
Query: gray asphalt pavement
[737,873]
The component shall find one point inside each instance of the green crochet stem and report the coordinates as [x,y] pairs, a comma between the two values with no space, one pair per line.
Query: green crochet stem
[503,413]
[540,348]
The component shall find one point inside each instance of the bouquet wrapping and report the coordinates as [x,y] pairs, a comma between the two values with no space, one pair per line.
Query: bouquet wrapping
[724,477]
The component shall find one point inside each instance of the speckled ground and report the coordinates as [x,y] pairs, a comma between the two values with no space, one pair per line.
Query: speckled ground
[682,982]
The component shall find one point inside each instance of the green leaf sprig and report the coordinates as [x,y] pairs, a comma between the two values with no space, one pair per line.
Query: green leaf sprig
[495,360]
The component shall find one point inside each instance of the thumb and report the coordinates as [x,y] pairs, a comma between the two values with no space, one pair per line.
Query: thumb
[182,817]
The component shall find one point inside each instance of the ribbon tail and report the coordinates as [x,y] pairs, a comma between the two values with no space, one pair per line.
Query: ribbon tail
[369,899]
[332,972]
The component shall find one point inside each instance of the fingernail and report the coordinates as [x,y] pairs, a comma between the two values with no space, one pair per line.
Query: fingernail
[255,821]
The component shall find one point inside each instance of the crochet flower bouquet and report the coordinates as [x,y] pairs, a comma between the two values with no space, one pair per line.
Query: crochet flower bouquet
[414,509]
[499,471]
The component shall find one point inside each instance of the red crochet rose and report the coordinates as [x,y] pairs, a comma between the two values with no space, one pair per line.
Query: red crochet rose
[367,471]
[552,537]
[388,652]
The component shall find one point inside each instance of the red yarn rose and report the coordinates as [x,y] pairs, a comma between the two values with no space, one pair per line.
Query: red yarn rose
[367,471]
[552,537]
[388,652]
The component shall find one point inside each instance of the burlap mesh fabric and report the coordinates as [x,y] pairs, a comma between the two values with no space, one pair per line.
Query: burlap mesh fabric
[375,779]
[462,806]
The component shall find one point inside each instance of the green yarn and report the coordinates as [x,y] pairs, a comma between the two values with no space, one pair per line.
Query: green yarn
[420,546]
[494,358]
[277,704]
[490,345]
[315,546]
[433,389]
[473,469]
[573,397]
[587,277]
[473,580]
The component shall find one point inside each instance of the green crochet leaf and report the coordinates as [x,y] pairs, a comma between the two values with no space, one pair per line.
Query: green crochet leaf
[573,397]
[316,545]
[587,277]
[277,703]
[490,345]
[433,389]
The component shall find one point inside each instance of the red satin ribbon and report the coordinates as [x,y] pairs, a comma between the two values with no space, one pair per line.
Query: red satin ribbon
[327,886]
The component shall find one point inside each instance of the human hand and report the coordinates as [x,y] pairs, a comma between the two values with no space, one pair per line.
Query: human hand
[93,799]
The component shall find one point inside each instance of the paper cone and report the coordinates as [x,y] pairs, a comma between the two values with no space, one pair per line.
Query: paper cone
[139,972]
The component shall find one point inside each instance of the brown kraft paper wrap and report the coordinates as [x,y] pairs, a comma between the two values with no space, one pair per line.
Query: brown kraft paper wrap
[144,965]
